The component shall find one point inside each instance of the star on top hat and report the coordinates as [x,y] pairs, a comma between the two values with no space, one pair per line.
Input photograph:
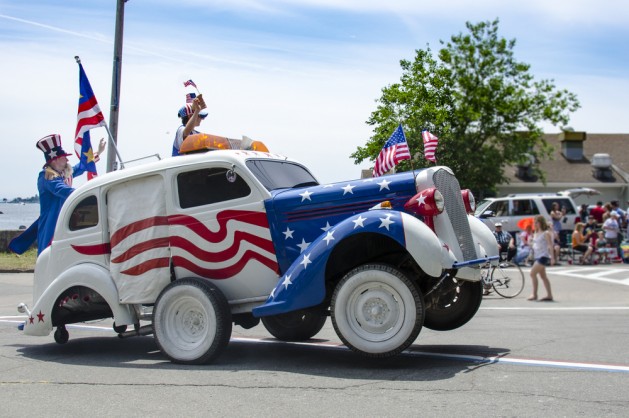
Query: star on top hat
[51,147]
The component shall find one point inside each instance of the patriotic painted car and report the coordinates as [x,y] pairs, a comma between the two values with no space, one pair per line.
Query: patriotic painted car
[191,245]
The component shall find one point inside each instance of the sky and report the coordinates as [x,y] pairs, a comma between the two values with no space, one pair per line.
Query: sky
[301,76]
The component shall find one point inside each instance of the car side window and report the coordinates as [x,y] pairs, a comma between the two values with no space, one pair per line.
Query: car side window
[499,208]
[524,207]
[210,185]
[563,202]
[85,214]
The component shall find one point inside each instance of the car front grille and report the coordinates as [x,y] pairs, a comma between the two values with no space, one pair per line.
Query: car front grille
[449,187]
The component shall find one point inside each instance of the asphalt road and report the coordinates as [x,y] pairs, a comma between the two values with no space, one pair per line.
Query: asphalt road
[515,358]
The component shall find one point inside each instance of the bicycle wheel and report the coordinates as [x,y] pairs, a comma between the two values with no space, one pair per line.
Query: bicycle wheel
[507,279]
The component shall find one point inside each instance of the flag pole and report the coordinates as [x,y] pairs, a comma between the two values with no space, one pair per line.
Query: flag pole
[113,144]
[115,85]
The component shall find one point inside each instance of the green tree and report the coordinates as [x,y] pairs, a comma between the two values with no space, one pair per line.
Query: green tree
[483,104]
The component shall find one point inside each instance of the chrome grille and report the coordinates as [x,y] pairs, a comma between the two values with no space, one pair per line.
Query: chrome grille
[449,187]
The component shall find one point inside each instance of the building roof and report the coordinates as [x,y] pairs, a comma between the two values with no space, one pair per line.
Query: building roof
[561,170]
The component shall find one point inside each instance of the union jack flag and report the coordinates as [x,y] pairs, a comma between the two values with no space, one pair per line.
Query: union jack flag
[189,83]
[394,151]
[430,146]
[89,116]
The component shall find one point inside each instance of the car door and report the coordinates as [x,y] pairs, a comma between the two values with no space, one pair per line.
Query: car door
[219,231]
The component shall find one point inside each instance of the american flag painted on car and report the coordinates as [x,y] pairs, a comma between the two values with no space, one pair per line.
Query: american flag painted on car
[301,285]
[299,216]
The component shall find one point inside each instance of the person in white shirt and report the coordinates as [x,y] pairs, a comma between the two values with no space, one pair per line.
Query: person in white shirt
[544,255]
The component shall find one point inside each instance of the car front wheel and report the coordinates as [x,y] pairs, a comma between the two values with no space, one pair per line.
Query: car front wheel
[377,311]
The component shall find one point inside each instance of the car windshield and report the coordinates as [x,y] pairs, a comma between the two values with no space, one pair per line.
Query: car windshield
[275,174]
[480,208]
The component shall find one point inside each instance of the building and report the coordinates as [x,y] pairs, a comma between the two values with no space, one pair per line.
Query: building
[580,160]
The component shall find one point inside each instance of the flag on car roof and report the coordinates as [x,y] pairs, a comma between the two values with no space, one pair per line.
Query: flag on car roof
[430,145]
[89,116]
[394,151]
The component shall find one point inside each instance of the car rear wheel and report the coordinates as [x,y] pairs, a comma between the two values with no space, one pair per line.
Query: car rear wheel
[295,326]
[192,321]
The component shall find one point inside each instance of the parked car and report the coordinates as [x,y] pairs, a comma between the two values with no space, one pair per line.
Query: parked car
[197,243]
[509,210]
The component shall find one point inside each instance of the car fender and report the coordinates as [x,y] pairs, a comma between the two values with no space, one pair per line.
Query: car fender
[303,284]
[88,275]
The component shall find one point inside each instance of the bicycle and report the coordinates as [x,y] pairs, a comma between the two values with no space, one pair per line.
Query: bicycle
[507,278]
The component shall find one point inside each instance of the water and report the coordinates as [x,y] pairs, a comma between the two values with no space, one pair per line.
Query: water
[15,215]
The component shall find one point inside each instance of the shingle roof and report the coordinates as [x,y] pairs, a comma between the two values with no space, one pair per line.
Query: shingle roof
[561,170]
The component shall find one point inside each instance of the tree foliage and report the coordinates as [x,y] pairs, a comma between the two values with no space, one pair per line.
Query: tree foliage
[483,104]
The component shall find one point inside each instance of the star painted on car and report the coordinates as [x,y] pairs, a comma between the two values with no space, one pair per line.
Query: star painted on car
[384,184]
[305,195]
[288,233]
[40,317]
[286,281]
[348,189]
[421,200]
[359,222]
[31,320]
[329,237]
[326,227]
[306,261]
[386,222]
[303,245]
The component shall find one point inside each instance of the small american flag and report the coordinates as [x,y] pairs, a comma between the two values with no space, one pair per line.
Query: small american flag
[190,97]
[189,83]
[430,146]
[394,151]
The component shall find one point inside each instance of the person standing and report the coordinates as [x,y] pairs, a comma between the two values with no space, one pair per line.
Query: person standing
[191,114]
[556,215]
[54,185]
[544,255]
[612,231]
[597,212]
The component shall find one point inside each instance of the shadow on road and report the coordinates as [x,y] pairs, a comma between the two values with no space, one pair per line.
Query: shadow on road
[318,358]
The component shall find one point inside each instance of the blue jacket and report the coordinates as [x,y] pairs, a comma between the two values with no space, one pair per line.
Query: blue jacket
[52,195]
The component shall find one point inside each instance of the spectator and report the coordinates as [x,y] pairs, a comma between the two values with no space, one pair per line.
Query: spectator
[612,231]
[597,212]
[579,243]
[542,244]
[524,248]
[505,241]
[191,115]
[584,213]
[556,215]
[622,215]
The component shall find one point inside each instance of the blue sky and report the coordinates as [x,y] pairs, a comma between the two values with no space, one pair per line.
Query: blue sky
[302,76]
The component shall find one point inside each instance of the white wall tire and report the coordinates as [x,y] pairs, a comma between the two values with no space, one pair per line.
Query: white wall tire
[377,311]
[192,321]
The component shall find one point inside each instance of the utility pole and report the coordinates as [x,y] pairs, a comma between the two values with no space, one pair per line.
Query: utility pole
[115,87]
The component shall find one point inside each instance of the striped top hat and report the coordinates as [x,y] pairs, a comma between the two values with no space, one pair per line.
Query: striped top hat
[51,147]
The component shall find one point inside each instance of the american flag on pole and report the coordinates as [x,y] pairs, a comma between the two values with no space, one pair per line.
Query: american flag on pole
[189,83]
[89,116]
[430,145]
[394,151]
[190,97]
